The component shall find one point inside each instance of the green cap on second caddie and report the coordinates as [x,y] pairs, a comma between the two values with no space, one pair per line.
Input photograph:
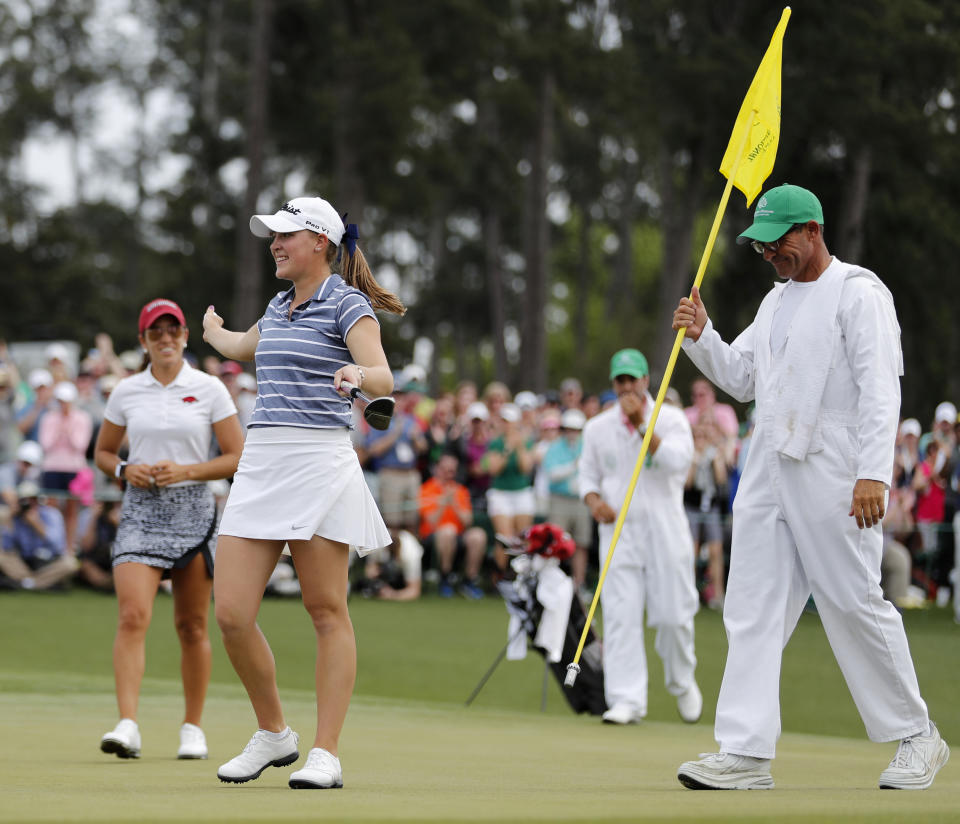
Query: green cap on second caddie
[778,210]
[628,362]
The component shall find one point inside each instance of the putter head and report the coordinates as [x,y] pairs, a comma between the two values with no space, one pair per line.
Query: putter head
[379,412]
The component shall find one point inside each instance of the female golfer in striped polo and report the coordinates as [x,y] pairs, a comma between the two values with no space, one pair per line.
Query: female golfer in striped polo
[169,411]
[299,480]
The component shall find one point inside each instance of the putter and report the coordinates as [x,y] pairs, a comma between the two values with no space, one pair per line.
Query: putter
[378,411]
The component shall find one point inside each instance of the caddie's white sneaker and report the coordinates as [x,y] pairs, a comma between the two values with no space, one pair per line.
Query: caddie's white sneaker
[726,771]
[193,743]
[622,714]
[261,752]
[690,705]
[321,772]
[123,739]
[916,763]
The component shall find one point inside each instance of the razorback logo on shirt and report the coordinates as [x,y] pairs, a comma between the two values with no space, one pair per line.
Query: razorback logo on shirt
[190,399]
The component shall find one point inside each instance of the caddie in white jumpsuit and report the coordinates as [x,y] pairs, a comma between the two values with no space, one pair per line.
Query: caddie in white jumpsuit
[822,360]
[652,564]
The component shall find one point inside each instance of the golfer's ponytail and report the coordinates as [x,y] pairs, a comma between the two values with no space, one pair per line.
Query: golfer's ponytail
[355,271]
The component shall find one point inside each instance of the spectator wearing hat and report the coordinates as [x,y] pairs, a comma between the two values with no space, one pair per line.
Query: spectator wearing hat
[245,398]
[652,568]
[40,383]
[571,393]
[547,429]
[8,416]
[907,452]
[58,362]
[26,466]
[471,448]
[510,460]
[35,553]
[565,508]
[64,435]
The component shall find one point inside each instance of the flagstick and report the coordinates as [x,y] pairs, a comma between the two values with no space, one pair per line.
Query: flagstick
[573,668]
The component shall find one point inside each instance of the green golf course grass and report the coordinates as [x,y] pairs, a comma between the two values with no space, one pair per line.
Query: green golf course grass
[411,750]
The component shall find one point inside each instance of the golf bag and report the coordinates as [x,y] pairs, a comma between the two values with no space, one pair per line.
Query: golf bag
[538,553]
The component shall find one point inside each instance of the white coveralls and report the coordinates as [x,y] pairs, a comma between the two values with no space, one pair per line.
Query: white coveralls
[827,414]
[652,564]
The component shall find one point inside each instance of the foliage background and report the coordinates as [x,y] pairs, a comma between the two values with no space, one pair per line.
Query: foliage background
[536,178]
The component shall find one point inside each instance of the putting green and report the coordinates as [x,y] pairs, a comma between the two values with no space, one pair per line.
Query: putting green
[420,762]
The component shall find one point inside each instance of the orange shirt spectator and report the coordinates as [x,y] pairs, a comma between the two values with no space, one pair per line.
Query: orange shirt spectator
[443,501]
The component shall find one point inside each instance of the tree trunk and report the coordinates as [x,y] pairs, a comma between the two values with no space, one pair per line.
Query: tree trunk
[498,319]
[533,362]
[210,80]
[249,249]
[581,296]
[849,239]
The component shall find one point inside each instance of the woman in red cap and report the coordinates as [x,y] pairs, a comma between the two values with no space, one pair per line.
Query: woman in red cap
[299,481]
[170,412]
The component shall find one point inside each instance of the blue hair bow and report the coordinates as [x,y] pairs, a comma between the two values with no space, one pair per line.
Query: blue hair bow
[350,238]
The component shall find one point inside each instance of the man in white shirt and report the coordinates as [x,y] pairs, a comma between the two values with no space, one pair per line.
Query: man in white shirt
[822,360]
[652,566]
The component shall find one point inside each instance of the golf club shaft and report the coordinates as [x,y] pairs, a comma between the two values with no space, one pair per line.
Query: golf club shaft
[354,391]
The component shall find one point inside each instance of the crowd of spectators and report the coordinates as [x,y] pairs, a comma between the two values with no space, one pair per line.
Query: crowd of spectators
[452,472]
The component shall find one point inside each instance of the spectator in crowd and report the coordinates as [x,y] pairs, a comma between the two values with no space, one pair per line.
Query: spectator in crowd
[929,486]
[704,497]
[393,454]
[897,562]
[547,428]
[907,454]
[439,434]
[944,432]
[35,553]
[471,449]
[245,398]
[169,514]
[446,525]
[40,383]
[65,433]
[27,467]
[8,416]
[58,360]
[510,460]
[464,395]
[706,409]
[590,405]
[394,572]
[97,530]
[495,395]
[561,468]
[571,394]
[652,568]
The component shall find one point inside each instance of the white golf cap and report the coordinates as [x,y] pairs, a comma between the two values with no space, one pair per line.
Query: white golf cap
[57,351]
[28,489]
[526,400]
[510,412]
[910,426]
[477,411]
[246,381]
[312,213]
[30,452]
[65,391]
[946,412]
[572,419]
[39,377]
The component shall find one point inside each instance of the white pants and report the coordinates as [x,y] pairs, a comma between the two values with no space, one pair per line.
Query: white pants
[629,587]
[792,537]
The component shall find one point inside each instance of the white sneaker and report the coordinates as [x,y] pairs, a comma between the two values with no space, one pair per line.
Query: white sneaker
[321,772]
[916,763]
[123,739]
[726,771]
[622,714]
[690,705]
[261,752]
[193,743]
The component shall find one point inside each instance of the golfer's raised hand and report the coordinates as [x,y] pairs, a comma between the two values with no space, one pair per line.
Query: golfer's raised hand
[691,315]
[868,502]
[211,323]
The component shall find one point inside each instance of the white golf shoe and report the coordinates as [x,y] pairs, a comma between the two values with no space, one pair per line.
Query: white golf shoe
[262,751]
[726,771]
[321,772]
[622,714]
[690,705]
[193,743]
[916,763]
[123,740]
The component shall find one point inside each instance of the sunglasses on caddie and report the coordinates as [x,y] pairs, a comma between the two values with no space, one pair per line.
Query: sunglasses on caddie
[772,246]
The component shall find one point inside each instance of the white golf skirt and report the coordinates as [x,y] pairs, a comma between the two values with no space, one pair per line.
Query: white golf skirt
[293,483]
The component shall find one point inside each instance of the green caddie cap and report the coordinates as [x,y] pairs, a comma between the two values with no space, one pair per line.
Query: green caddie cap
[778,210]
[629,362]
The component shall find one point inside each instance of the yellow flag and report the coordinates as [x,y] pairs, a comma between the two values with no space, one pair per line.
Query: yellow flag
[760,113]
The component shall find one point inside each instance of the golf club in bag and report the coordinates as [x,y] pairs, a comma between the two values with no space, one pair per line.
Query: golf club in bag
[537,554]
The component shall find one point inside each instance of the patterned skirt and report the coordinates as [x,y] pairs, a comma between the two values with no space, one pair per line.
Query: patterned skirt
[166,527]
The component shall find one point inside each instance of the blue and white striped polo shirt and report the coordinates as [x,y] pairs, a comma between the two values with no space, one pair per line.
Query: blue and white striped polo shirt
[298,354]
